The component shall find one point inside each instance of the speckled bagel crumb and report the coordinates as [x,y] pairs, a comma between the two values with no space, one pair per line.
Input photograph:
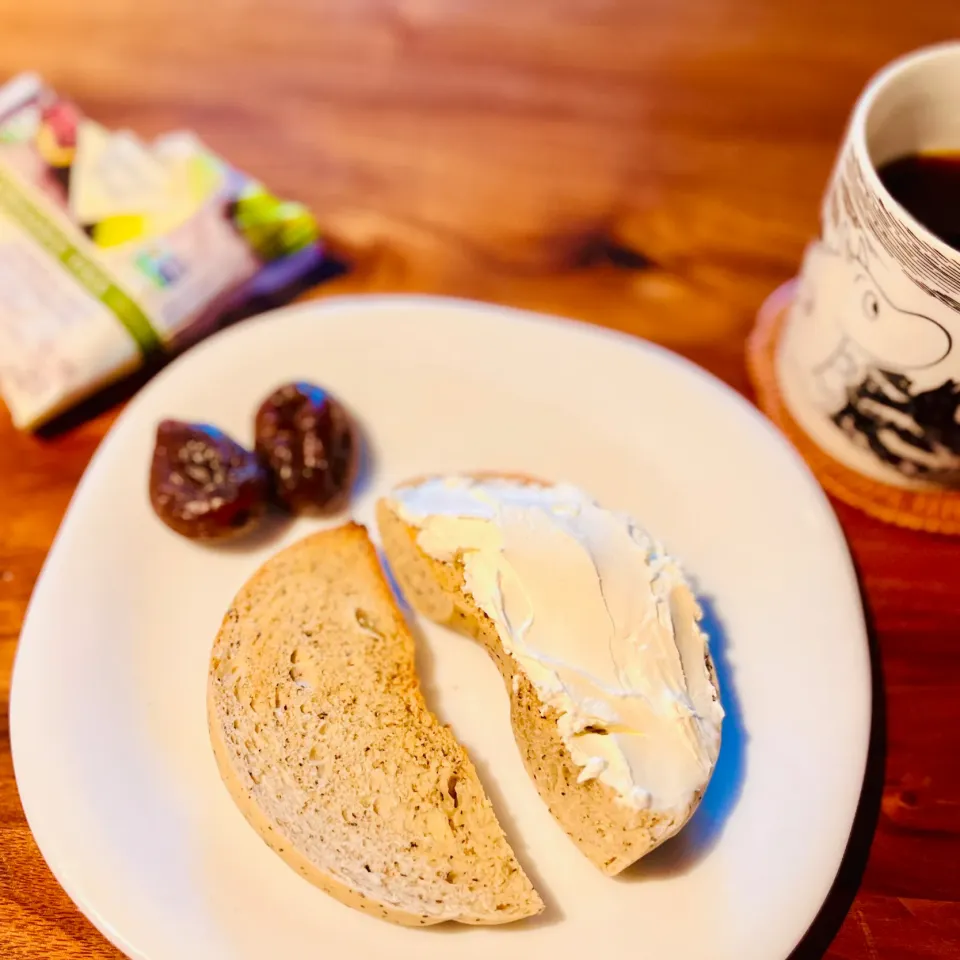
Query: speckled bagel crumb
[323,738]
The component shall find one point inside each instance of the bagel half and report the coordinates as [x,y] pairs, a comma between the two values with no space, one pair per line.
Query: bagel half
[606,824]
[323,739]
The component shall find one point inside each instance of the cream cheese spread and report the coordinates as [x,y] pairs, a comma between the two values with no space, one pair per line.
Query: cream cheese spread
[601,620]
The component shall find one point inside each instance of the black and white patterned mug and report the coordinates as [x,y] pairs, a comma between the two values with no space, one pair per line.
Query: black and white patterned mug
[869,360]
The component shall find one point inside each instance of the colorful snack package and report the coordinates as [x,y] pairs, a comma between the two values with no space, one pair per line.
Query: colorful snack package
[112,249]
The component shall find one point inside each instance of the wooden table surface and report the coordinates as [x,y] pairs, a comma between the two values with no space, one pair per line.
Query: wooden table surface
[649,165]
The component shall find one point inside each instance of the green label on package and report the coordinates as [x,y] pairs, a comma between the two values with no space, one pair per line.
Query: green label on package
[87,273]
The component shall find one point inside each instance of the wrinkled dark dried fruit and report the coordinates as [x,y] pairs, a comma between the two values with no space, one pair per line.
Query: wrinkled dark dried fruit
[203,484]
[309,445]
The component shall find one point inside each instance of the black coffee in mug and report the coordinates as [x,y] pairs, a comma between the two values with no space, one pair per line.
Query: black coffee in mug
[928,186]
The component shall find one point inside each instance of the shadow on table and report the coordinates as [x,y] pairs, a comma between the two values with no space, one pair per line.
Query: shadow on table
[828,921]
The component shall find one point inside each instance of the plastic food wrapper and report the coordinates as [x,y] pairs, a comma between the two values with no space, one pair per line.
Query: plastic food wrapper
[112,249]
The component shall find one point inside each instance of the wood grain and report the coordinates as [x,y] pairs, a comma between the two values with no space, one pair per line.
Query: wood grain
[650,165]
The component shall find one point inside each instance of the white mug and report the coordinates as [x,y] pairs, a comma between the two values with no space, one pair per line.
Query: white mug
[869,359]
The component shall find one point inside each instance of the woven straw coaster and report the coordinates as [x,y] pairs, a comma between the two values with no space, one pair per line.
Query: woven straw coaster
[936,511]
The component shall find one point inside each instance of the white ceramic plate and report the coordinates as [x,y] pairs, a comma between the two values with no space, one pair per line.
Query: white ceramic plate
[108,713]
